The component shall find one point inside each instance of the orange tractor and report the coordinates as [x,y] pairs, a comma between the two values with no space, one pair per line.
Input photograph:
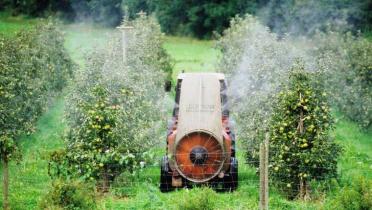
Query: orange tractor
[200,141]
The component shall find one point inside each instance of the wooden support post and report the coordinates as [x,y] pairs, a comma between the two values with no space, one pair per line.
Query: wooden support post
[5,184]
[126,30]
[264,174]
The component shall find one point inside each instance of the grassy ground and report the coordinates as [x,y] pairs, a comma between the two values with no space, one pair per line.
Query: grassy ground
[191,55]
[368,35]
[81,38]
[9,25]
[30,181]
[188,54]
[356,159]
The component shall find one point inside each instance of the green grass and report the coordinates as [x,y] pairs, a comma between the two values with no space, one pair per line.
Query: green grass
[356,159]
[191,55]
[10,25]
[368,35]
[147,195]
[81,38]
[30,181]
[357,147]
[188,54]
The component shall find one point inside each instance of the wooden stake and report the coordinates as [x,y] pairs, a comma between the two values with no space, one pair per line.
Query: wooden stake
[5,185]
[126,30]
[264,174]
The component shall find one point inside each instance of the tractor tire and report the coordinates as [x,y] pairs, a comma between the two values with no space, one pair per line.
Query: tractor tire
[231,179]
[165,177]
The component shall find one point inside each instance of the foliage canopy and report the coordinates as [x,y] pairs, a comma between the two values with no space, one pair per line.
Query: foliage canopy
[201,18]
[34,67]
[301,148]
[115,107]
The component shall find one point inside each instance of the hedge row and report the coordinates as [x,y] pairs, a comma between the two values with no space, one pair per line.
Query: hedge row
[34,67]
[257,63]
[347,62]
[115,108]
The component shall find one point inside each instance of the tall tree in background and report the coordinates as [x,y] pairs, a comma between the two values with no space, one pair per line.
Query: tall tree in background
[200,18]
[300,17]
[361,15]
[104,12]
[135,6]
[171,15]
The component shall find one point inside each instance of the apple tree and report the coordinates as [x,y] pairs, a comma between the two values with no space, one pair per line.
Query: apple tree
[33,67]
[301,148]
[115,108]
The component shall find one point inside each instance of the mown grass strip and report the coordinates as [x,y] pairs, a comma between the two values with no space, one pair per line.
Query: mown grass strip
[29,178]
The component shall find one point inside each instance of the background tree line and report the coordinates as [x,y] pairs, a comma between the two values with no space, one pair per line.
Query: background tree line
[200,18]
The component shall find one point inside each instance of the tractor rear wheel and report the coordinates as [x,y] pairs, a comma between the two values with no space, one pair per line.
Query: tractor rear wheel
[231,179]
[165,177]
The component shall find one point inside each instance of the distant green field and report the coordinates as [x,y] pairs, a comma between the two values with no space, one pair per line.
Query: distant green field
[191,55]
[81,38]
[9,25]
[368,35]
[30,180]
[188,54]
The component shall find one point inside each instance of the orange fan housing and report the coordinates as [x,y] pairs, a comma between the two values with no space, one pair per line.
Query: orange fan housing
[199,156]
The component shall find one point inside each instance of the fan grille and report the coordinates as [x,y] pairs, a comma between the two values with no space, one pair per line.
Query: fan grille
[199,156]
